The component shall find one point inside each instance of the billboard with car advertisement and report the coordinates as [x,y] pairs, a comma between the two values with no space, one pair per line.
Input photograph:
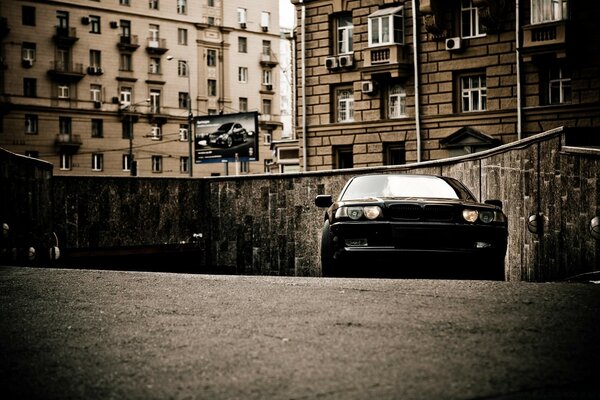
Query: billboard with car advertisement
[226,138]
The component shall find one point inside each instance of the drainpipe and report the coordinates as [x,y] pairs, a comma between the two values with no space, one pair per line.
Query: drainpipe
[416,72]
[518,60]
[303,79]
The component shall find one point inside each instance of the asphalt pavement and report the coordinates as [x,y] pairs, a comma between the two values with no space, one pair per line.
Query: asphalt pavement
[92,334]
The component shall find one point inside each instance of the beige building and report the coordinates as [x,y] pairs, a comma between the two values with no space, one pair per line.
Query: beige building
[393,82]
[104,86]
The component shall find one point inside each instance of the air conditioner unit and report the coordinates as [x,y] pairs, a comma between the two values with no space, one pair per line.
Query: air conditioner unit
[114,24]
[265,29]
[156,133]
[85,20]
[97,104]
[243,25]
[331,62]
[453,43]
[367,87]
[27,63]
[269,87]
[115,100]
[346,60]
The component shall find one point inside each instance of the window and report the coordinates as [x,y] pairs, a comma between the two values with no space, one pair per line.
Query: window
[94,24]
[97,162]
[394,153]
[28,51]
[182,37]
[181,6]
[386,26]
[62,59]
[156,163]
[64,125]
[125,96]
[125,26]
[63,91]
[211,58]
[473,93]
[153,32]
[243,104]
[182,68]
[343,34]
[469,20]
[211,3]
[62,22]
[125,63]
[154,101]
[29,87]
[183,99]
[342,156]
[243,74]
[183,164]
[65,162]
[548,10]
[210,21]
[345,104]
[127,129]
[126,162]
[97,131]
[268,136]
[265,20]
[183,132]
[31,124]
[212,87]
[28,15]
[266,47]
[242,44]
[124,2]
[153,4]
[154,67]
[156,132]
[266,107]
[95,58]
[559,85]
[266,76]
[397,101]
[241,15]
[95,92]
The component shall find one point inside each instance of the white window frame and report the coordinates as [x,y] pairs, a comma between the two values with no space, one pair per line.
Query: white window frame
[549,10]
[97,161]
[345,105]
[241,15]
[267,76]
[183,164]
[95,92]
[127,162]
[183,132]
[31,124]
[182,36]
[154,66]
[157,164]
[345,31]
[473,93]
[66,162]
[95,58]
[243,74]
[469,14]
[211,58]
[265,19]
[397,101]
[125,96]
[63,92]
[153,4]
[559,83]
[181,6]
[156,132]
[182,68]
[28,53]
[154,100]
[385,25]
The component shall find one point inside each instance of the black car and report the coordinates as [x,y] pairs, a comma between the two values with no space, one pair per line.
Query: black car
[226,135]
[412,226]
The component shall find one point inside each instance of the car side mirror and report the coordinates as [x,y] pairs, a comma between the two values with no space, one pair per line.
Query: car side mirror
[494,202]
[323,200]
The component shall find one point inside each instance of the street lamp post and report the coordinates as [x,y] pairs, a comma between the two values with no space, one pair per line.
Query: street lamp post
[131,109]
[190,116]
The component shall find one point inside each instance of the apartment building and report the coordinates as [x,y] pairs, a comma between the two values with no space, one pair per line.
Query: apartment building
[394,82]
[117,87]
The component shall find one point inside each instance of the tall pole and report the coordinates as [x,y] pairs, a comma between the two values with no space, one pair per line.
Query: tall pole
[190,123]
[131,171]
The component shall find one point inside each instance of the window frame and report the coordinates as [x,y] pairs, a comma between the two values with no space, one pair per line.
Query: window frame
[157,164]
[95,24]
[97,128]
[394,18]
[400,97]
[344,43]
[344,105]
[543,11]
[469,19]
[97,162]
[31,124]
[473,94]
[242,74]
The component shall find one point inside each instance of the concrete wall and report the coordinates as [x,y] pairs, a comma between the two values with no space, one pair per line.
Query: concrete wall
[269,225]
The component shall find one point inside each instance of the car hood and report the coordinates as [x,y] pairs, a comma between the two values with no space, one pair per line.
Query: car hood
[388,201]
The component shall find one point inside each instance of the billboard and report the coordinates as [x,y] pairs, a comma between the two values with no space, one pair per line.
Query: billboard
[226,137]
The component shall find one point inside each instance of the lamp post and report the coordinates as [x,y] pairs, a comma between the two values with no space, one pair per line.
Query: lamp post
[131,110]
[190,116]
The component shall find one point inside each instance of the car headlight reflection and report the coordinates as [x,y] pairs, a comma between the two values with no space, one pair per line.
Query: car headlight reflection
[357,212]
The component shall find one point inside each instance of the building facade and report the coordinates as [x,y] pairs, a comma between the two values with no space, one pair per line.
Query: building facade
[383,82]
[115,87]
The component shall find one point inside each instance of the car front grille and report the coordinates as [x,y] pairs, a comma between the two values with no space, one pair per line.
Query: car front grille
[417,212]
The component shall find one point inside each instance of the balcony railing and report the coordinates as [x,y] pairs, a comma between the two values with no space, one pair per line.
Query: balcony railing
[67,143]
[128,43]
[66,71]
[156,46]
[549,37]
[65,36]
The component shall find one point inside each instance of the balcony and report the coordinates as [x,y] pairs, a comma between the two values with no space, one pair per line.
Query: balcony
[62,72]
[266,60]
[156,46]
[65,36]
[393,59]
[128,43]
[546,38]
[67,143]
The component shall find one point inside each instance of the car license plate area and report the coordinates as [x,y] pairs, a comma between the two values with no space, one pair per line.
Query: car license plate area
[430,239]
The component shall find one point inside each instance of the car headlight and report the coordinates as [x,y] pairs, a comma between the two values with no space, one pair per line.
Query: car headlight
[485,216]
[357,212]
[470,215]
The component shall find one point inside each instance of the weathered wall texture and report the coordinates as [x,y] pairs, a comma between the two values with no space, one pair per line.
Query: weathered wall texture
[269,225]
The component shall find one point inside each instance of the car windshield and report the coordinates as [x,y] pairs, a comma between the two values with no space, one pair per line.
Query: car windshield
[226,127]
[398,186]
